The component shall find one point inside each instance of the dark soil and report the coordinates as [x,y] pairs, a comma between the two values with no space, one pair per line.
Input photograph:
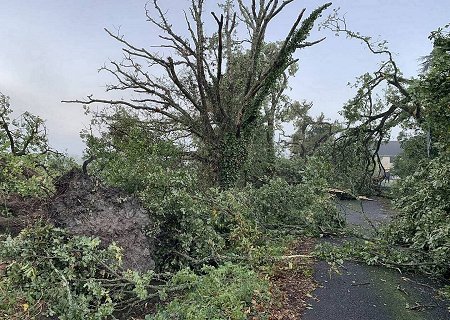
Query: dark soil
[21,212]
[83,206]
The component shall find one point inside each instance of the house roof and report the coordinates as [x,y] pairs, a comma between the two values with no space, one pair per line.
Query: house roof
[391,148]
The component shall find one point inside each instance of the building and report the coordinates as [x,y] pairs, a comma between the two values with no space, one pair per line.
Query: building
[388,151]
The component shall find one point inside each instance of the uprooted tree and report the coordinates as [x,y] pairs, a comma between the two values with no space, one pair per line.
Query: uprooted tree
[211,87]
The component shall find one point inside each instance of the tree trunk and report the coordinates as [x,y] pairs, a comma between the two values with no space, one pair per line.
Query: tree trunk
[231,154]
[270,133]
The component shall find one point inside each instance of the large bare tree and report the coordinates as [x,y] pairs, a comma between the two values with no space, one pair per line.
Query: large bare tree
[211,86]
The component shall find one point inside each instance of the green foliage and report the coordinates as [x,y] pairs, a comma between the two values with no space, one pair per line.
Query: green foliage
[31,174]
[191,228]
[24,135]
[284,59]
[352,166]
[226,292]
[27,165]
[310,134]
[51,273]
[413,156]
[424,208]
[445,292]
[377,251]
[234,153]
[423,196]
[217,222]
[291,170]
[259,164]
[418,238]
[130,155]
[277,203]
[433,89]
[209,224]
[21,175]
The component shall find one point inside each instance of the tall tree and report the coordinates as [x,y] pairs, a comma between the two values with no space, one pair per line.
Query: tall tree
[212,87]
[385,99]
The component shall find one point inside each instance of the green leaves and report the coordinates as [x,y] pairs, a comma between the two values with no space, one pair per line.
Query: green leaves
[27,168]
[423,202]
[226,292]
[44,266]
[70,277]
[129,155]
[24,135]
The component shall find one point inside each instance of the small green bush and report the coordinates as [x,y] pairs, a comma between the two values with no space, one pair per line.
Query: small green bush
[193,228]
[213,222]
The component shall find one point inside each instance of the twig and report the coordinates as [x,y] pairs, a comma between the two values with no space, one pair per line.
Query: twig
[295,256]
[420,307]
[360,284]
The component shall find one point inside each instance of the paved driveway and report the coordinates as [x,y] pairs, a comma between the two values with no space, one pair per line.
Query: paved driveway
[362,292]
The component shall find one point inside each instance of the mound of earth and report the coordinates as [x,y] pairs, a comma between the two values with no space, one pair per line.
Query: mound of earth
[83,206]
[19,212]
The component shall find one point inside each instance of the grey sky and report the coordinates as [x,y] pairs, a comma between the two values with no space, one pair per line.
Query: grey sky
[51,50]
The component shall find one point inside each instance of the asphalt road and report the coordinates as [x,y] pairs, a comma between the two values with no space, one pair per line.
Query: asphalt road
[372,293]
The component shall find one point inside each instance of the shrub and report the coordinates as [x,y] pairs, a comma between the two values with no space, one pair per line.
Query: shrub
[31,175]
[186,233]
[193,228]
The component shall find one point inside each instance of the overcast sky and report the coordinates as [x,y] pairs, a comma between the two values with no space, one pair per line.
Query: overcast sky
[50,50]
